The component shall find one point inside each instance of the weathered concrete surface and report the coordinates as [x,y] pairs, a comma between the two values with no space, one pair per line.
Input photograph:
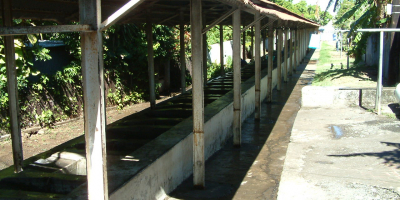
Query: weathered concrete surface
[252,171]
[342,153]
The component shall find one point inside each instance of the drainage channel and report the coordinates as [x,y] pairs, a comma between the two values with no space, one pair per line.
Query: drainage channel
[57,172]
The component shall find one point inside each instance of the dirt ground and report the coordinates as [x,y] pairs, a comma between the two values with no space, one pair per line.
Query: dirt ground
[46,138]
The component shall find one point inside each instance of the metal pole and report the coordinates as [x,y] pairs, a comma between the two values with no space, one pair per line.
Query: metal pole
[221,48]
[285,55]
[198,94]
[341,45]
[12,89]
[348,56]
[150,61]
[270,61]
[237,119]
[279,58]
[94,105]
[257,60]
[379,83]
[182,51]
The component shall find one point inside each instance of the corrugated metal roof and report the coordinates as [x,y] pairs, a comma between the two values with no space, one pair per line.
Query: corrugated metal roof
[160,11]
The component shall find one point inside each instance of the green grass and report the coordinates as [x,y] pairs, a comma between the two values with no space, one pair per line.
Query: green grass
[332,70]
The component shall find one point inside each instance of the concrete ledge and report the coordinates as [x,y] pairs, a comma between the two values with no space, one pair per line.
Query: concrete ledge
[319,96]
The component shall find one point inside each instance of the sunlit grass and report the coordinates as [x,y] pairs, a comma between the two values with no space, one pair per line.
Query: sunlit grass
[332,70]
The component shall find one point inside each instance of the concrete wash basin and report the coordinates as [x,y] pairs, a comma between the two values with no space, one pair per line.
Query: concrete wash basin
[60,172]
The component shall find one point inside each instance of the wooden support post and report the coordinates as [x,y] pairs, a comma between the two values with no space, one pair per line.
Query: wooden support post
[290,71]
[198,94]
[182,51]
[298,46]
[264,37]
[257,60]
[285,66]
[270,61]
[279,58]
[94,104]
[221,48]
[252,43]
[150,61]
[244,45]
[294,50]
[167,75]
[237,94]
[205,51]
[12,89]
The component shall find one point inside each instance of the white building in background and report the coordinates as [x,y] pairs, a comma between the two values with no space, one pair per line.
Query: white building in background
[215,52]
[327,32]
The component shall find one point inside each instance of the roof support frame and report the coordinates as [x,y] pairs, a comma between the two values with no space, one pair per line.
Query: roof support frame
[219,20]
[252,23]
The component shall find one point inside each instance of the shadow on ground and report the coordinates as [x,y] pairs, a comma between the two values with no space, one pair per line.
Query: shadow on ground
[391,158]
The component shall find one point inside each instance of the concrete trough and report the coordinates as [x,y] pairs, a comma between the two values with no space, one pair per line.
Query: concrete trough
[148,154]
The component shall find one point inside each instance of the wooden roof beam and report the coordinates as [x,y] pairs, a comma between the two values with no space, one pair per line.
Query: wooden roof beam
[219,20]
[252,23]
[115,17]
[24,30]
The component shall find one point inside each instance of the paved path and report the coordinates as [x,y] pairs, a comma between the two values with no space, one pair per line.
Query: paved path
[254,170]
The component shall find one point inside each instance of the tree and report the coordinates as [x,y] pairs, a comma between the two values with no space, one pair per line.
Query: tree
[307,11]
[355,14]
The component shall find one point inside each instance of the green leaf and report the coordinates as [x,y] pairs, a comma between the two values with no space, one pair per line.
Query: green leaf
[32,38]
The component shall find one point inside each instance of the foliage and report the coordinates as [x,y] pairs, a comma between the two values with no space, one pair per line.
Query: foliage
[59,96]
[214,69]
[356,14]
[311,12]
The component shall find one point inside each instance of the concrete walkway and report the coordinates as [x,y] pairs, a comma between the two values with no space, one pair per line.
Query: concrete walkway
[254,170]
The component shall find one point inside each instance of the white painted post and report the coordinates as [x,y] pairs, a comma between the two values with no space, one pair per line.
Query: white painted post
[285,66]
[257,60]
[270,60]
[94,105]
[237,121]
[12,90]
[198,94]
[150,61]
[182,51]
[279,58]
[205,50]
[221,48]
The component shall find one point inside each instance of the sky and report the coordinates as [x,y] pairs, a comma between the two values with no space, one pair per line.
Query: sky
[322,4]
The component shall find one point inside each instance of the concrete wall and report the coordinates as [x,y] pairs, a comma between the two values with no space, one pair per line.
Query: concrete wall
[165,173]
[319,96]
